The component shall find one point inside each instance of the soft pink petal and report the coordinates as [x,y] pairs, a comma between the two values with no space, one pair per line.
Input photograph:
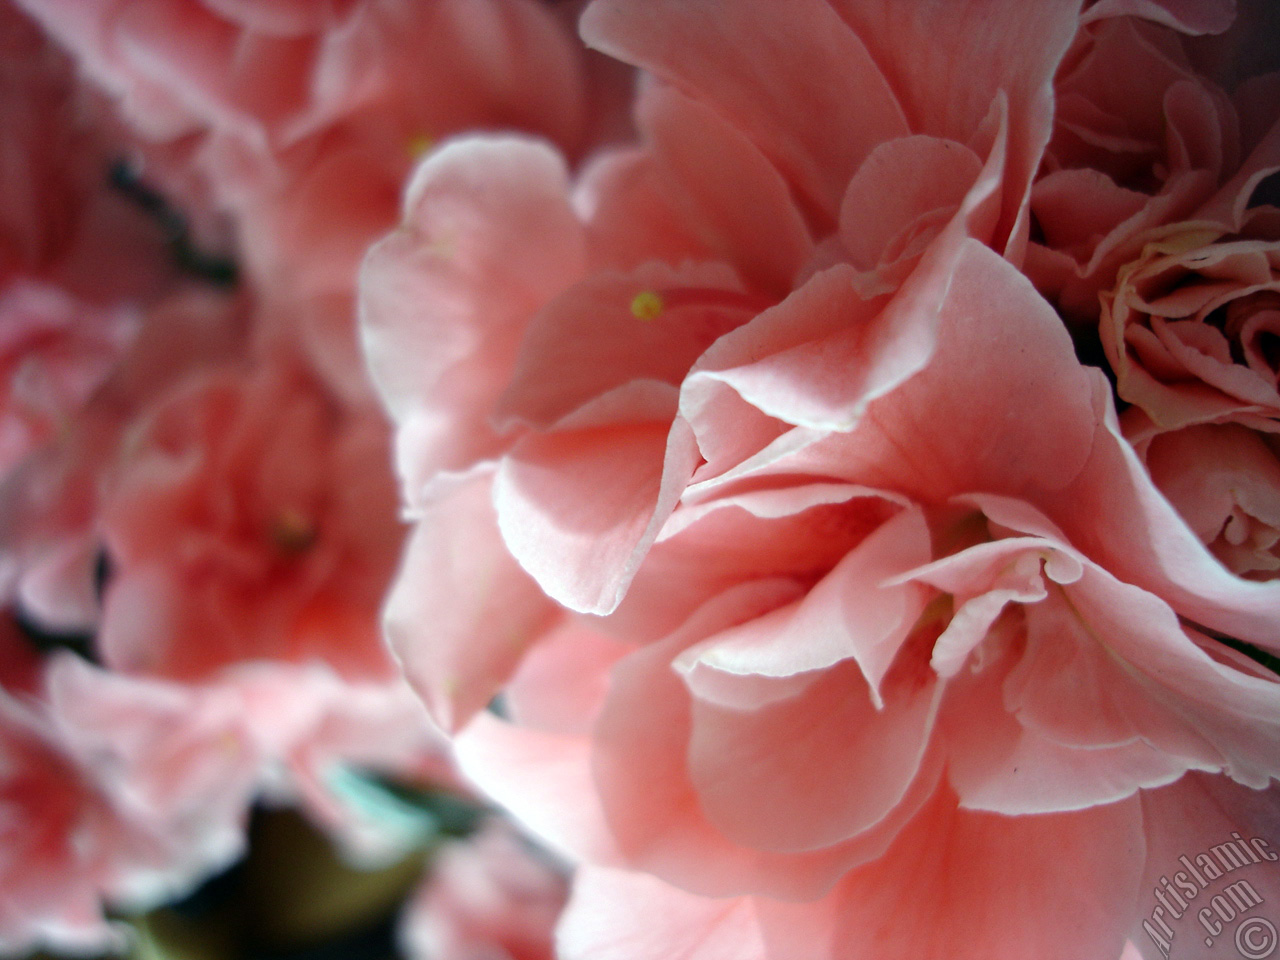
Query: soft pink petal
[999,765]
[615,915]
[852,613]
[876,209]
[974,886]
[1078,206]
[999,348]
[545,780]
[785,532]
[446,299]
[1191,694]
[580,506]
[461,613]
[563,680]
[948,93]
[1187,825]
[826,313]
[1224,481]
[1114,514]
[630,219]
[788,78]
[643,778]
[1190,16]
[709,167]
[792,775]
[818,358]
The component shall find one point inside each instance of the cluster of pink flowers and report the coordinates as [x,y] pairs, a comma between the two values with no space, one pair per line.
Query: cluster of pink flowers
[815,464]
[196,481]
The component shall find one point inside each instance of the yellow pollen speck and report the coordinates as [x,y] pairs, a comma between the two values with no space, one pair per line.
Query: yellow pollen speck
[292,531]
[419,145]
[646,305]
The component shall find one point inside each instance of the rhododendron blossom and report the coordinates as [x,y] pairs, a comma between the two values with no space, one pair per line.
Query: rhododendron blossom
[50,538]
[882,597]
[302,122]
[238,532]
[74,834]
[194,491]
[813,466]
[250,550]
[1146,149]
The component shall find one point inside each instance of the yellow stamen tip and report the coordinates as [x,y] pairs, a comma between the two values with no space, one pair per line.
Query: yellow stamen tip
[292,531]
[419,145]
[646,305]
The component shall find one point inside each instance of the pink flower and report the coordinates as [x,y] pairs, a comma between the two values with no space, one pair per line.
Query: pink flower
[184,758]
[1183,277]
[178,66]
[1189,331]
[60,837]
[303,123]
[488,897]
[51,154]
[81,270]
[1148,148]
[485,346]
[246,524]
[49,515]
[861,568]
[448,67]
[1189,328]
[252,533]
[858,581]
[61,222]
[78,838]
[56,352]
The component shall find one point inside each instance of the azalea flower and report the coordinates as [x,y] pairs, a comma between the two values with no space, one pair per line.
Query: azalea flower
[856,578]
